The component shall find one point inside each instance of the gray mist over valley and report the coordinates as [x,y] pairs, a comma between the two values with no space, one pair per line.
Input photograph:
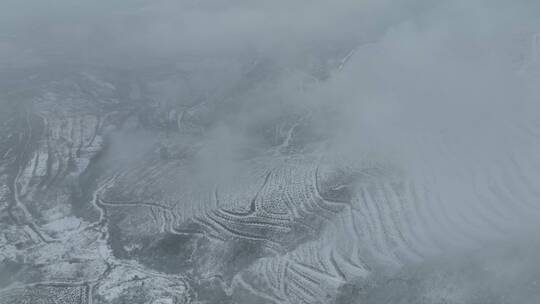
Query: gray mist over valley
[269,152]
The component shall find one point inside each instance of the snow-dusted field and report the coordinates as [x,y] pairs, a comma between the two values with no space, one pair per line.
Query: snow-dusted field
[169,152]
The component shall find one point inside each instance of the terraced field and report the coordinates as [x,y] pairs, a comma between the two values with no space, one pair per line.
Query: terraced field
[252,178]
